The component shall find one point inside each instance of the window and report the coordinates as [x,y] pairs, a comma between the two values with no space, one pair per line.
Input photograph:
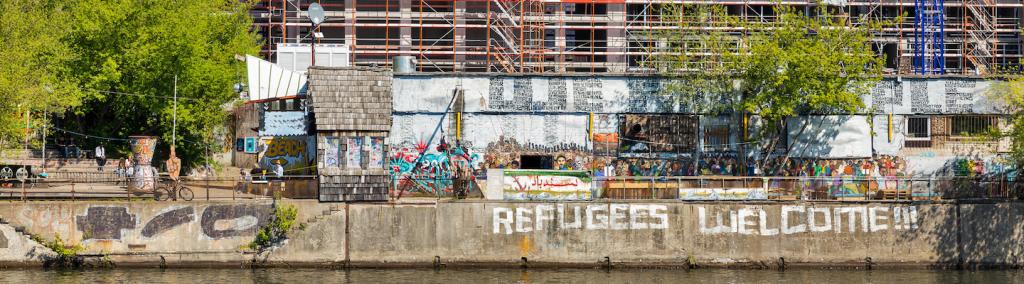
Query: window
[918,128]
[971,125]
[716,137]
[919,134]
[284,105]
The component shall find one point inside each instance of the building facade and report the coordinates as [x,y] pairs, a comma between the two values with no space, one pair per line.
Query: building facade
[615,36]
[624,126]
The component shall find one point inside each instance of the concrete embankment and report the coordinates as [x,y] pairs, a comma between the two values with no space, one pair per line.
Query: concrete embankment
[515,234]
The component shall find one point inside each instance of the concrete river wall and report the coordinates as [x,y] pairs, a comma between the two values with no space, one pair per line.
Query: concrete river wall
[530,233]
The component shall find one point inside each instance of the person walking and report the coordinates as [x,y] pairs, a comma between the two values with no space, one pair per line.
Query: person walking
[101,156]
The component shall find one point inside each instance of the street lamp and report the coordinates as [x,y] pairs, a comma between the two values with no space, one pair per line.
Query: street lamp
[316,16]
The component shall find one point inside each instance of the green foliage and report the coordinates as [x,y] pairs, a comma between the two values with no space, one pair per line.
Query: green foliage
[67,256]
[794,64]
[277,230]
[32,55]
[69,58]
[139,47]
[58,246]
[1010,94]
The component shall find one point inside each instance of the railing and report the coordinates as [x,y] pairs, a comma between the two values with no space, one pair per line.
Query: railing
[737,188]
[839,188]
[98,185]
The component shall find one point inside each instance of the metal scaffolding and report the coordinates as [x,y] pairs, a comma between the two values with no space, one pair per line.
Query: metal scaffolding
[616,36]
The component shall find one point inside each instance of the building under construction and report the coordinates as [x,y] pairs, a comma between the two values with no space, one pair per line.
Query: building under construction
[615,36]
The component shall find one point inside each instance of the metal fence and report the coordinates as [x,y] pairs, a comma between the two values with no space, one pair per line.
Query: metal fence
[92,185]
[842,188]
[75,186]
[709,188]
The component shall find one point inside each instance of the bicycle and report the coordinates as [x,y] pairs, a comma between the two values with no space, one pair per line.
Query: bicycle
[172,190]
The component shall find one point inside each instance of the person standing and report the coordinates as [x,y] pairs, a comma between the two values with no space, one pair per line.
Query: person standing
[73,149]
[101,156]
[245,180]
[278,169]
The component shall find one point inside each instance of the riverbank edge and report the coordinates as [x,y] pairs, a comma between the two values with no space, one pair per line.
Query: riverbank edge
[244,264]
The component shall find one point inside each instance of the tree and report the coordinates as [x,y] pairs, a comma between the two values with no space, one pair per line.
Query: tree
[797,64]
[33,55]
[129,53]
[1009,92]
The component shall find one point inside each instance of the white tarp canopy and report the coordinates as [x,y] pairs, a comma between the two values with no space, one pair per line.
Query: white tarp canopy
[270,81]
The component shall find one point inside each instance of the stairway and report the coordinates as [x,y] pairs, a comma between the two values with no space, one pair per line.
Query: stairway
[18,229]
[330,211]
[981,30]
[79,170]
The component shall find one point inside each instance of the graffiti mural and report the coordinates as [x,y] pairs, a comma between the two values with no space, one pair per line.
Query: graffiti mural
[224,221]
[142,148]
[546,185]
[105,222]
[707,194]
[142,152]
[353,152]
[168,220]
[563,217]
[750,220]
[376,152]
[295,153]
[627,94]
[117,222]
[436,171]
[332,152]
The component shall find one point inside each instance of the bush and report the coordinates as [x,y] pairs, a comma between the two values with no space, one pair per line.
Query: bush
[277,230]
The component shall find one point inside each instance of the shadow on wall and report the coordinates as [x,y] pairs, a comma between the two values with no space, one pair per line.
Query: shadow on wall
[974,235]
[834,136]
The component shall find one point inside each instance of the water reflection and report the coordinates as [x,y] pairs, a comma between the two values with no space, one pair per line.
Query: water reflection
[281,275]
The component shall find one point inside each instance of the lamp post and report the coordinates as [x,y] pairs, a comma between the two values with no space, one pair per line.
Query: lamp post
[316,16]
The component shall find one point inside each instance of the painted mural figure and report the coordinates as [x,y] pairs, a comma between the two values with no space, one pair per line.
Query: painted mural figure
[173,165]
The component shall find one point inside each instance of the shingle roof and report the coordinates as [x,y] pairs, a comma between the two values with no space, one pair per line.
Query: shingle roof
[351,98]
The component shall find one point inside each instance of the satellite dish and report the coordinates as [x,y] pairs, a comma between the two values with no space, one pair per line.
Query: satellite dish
[316,14]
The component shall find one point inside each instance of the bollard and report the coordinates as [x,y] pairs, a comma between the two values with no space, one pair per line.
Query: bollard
[207,188]
[23,191]
[72,192]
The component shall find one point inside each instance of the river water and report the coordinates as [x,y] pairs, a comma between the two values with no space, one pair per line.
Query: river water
[311,276]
